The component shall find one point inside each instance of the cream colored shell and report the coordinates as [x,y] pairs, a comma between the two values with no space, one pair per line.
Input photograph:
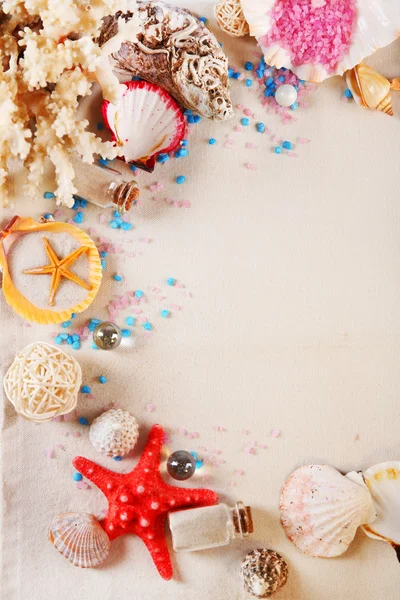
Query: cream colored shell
[80,538]
[383,481]
[377,25]
[43,382]
[369,88]
[321,509]
[114,432]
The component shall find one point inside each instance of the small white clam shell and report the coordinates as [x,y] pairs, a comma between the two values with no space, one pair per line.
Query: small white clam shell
[377,25]
[383,481]
[321,509]
[80,538]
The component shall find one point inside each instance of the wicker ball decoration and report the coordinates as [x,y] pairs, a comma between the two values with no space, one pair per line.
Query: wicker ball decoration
[230,18]
[114,433]
[43,382]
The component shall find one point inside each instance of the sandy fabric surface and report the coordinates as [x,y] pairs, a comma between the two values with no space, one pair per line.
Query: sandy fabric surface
[293,324]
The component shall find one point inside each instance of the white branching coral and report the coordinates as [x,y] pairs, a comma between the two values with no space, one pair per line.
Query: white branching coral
[48,60]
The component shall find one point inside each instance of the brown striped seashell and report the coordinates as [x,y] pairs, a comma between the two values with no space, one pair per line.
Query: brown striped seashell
[80,538]
[369,88]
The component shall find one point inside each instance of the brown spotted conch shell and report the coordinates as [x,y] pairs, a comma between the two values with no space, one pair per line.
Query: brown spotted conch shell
[369,88]
[80,538]
[176,51]
[17,300]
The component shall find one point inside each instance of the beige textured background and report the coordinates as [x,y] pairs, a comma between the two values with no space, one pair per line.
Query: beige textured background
[294,323]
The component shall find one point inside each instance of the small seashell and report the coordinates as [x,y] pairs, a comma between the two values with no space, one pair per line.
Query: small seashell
[177,52]
[369,88]
[321,509]
[80,538]
[383,481]
[230,18]
[145,122]
[263,573]
[114,433]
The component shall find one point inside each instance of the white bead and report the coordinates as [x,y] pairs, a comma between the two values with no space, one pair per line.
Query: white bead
[286,95]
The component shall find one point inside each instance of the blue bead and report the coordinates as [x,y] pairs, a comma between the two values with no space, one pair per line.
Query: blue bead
[66,324]
[77,477]
[118,458]
[181,152]
[269,81]
[190,119]
[83,421]
[281,78]
[85,389]
[130,321]
[48,195]
[100,126]
[83,202]
[102,379]
[135,78]
[231,72]
[187,112]
[162,158]
[126,333]
[348,93]
[165,314]
[148,326]
[94,346]
[117,277]
[119,221]
[245,121]
[76,204]
[249,82]
[236,75]
[47,215]
[296,87]
[139,294]
[103,253]
[295,106]
[184,142]
[70,341]
[249,66]
[287,145]
[126,226]
[203,19]
[260,127]
[58,339]
[78,217]
[103,264]
[64,336]
[116,214]
[212,141]
[103,161]
[73,315]
[302,81]
[180,179]
[133,168]
[95,321]
[171,281]
[76,337]
[114,224]
[278,150]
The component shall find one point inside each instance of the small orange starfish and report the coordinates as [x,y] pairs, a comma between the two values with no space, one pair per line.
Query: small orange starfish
[59,268]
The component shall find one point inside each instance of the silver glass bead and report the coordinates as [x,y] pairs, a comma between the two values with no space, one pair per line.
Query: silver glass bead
[107,336]
[181,465]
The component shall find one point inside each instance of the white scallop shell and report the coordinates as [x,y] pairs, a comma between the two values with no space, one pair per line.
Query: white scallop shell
[321,509]
[80,538]
[114,433]
[383,481]
[377,25]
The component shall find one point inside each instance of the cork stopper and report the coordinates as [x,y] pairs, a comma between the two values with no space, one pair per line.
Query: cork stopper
[242,520]
[125,195]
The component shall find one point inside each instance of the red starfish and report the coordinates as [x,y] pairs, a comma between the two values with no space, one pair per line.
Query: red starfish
[139,501]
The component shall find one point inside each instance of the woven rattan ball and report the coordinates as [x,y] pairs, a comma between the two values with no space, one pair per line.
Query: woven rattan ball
[230,18]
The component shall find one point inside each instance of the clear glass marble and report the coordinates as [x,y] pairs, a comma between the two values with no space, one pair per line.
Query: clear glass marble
[181,465]
[209,526]
[107,336]
[103,186]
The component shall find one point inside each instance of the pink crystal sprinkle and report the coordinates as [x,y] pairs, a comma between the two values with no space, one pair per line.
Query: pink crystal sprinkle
[250,166]
[276,433]
[50,453]
[313,34]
